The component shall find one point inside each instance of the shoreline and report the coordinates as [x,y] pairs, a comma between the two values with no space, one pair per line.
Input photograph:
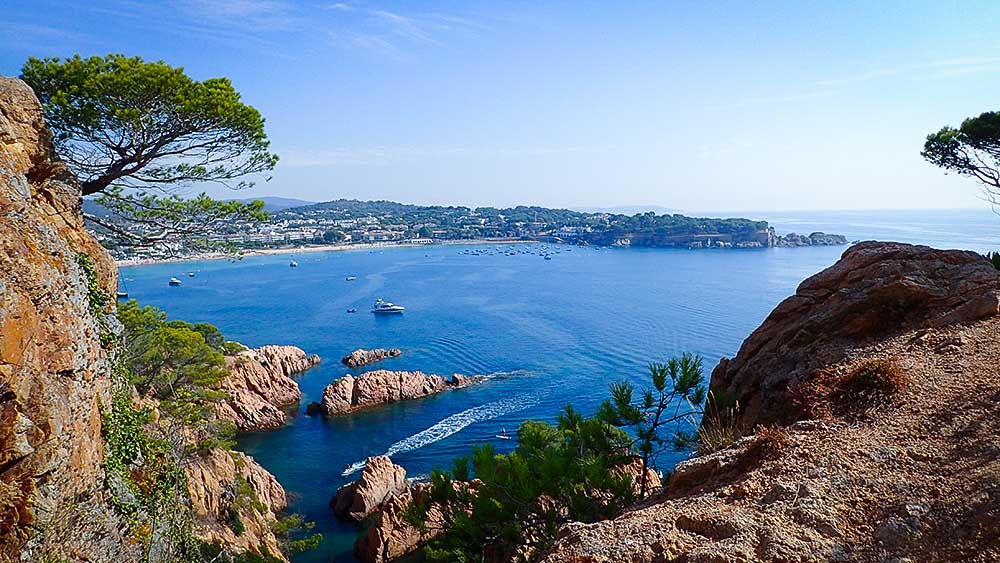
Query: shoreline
[314,248]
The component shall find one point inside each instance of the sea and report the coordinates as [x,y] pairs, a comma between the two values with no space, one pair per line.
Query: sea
[546,333]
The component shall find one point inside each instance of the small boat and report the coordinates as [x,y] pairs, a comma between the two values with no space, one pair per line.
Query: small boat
[190,274]
[351,278]
[293,264]
[121,295]
[174,282]
[352,310]
[502,435]
[383,307]
[548,258]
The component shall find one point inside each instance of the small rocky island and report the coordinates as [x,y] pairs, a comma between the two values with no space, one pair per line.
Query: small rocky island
[379,387]
[362,357]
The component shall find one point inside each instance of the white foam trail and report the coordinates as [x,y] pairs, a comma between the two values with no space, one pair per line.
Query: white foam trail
[451,425]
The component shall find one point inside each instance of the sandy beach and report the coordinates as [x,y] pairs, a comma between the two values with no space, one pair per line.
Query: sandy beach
[311,248]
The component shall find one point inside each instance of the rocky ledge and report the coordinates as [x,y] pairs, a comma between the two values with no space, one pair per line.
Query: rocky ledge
[379,387]
[259,385]
[362,357]
[910,477]
[812,239]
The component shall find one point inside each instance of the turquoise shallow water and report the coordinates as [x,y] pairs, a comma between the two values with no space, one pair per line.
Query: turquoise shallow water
[549,331]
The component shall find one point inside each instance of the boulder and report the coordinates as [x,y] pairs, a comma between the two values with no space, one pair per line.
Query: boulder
[876,289]
[380,480]
[379,387]
[362,357]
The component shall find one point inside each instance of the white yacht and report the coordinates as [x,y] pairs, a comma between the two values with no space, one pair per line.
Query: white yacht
[174,282]
[383,307]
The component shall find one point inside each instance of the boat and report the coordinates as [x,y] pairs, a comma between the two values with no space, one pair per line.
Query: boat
[174,282]
[293,264]
[190,274]
[121,295]
[351,278]
[502,435]
[352,310]
[383,307]
[548,258]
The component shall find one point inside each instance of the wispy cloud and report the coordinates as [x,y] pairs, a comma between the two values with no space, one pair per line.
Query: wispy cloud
[403,26]
[932,69]
[386,155]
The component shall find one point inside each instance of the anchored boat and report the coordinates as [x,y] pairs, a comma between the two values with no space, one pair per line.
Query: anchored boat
[383,307]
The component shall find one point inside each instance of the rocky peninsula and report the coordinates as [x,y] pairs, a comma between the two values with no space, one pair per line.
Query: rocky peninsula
[362,357]
[259,386]
[349,393]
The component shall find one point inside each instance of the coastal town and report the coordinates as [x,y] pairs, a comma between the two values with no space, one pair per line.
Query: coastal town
[352,223]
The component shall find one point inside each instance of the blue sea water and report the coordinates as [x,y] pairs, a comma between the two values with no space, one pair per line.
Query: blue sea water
[549,332]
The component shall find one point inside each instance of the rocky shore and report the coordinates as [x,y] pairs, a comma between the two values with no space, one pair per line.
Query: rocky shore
[362,357]
[349,393]
[841,461]
[259,386]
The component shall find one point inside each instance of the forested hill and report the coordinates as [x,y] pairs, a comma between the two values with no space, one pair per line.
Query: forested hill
[645,229]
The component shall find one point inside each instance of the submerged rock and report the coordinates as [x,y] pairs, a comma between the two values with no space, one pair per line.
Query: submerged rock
[362,357]
[379,387]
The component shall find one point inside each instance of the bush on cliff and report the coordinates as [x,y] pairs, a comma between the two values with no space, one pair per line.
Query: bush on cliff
[570,472]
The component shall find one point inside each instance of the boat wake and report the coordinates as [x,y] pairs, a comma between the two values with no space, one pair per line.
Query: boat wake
[452,425]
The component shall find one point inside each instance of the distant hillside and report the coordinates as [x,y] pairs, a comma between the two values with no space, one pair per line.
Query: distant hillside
[275,203]
[628,209]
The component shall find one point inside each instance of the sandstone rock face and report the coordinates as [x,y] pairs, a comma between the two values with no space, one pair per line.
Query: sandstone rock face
[379,387]
[876,289]
[54,374]
[380,480]
[259,386]
[388,536]
[213,484]
[362,357]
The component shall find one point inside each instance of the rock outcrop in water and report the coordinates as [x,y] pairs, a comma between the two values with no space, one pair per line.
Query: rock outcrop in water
[362,357]
[905,473]
[349,393]
[380,480]
[812,239]
[259,386]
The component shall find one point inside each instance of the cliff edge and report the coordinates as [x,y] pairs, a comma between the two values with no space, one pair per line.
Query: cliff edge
[869,403]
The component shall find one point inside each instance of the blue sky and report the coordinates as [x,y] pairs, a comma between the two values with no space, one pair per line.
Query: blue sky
[690,105]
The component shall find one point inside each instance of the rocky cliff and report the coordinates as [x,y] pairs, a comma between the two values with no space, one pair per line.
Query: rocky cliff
[54,372]
[348,393]
[59,498]
[260,387]
[881,373]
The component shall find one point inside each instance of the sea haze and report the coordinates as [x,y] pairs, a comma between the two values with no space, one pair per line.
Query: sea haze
[549,332]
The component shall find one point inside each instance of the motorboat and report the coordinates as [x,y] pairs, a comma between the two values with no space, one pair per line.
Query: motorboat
[174,282]
[190,274]
[293,264]
[351,278]
[352,310]
[121,295]
[383,307]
